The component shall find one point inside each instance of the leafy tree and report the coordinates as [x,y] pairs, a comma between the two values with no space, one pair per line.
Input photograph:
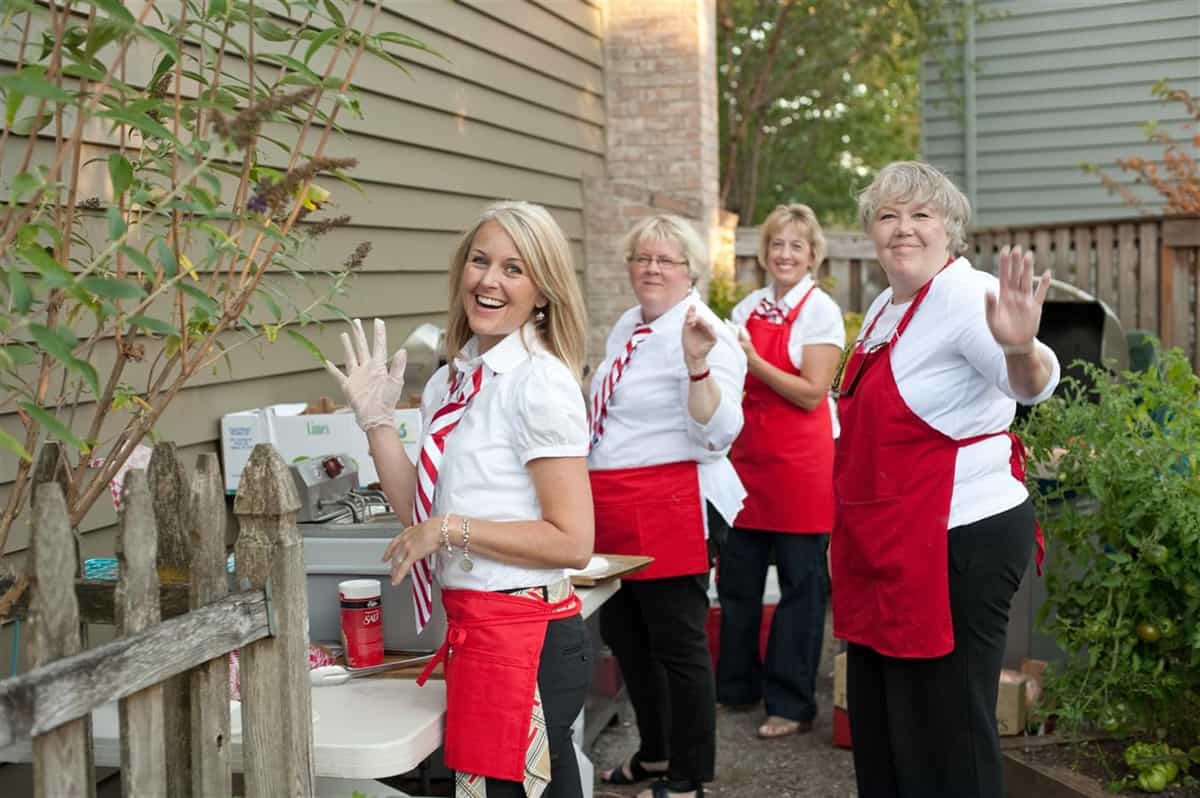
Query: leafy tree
[1176,180]
[160,207]
[816,94]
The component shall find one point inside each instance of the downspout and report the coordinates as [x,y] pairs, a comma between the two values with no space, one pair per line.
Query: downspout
[970,146]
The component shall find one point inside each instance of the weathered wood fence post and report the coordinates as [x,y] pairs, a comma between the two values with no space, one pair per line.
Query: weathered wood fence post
[60,757]
[276,723]
[168,491]
[211,772]
[137,608]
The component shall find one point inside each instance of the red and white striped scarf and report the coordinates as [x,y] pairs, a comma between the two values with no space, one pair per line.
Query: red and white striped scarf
[770,311]
[598,408]
[462,391]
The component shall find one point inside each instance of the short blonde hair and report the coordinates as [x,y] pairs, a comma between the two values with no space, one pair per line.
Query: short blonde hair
[908,181]
[796,214]
[543,248]
[675,229]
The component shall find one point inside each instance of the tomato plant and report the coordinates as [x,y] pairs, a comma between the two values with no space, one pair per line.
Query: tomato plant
[1122,524]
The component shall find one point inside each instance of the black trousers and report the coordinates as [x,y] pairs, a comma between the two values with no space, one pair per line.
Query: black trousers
[656,629]
[788,677]
[927,727]
[564,674]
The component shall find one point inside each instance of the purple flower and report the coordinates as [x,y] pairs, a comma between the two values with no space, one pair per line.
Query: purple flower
[257,204]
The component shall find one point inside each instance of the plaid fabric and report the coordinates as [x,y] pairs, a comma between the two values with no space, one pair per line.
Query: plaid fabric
[537,755]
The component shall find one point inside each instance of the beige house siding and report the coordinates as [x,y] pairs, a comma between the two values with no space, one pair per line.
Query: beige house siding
[515,109]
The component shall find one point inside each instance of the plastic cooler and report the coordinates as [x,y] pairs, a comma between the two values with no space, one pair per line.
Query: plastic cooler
[337,552]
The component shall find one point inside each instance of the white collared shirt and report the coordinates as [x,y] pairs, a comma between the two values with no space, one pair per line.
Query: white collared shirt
[953,375]
[648,421]
[819,323]
[531,407]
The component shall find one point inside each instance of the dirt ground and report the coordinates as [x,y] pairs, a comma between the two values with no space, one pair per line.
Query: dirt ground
[800,766]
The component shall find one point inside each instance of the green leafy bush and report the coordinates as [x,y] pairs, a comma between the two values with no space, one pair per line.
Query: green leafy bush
[1122,522]
[158,206]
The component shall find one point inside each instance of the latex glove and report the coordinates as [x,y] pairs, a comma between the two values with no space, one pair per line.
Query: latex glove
[371,385]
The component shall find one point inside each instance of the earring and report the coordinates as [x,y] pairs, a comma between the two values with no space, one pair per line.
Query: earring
[540,315]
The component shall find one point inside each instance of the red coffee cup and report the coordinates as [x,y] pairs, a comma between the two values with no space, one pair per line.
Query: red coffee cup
[362,622]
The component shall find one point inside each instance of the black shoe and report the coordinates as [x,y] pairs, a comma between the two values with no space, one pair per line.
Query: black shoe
[635,767]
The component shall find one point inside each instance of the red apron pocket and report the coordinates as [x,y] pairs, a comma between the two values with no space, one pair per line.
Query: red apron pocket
[497,699]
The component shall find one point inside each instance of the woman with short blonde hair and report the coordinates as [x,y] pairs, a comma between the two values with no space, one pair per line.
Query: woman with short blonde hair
[665,406]
[792,334]
[933,526]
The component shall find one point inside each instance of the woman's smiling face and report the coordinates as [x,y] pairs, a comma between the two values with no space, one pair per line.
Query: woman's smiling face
[497,292]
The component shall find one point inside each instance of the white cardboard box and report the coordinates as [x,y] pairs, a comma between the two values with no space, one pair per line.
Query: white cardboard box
[299,436]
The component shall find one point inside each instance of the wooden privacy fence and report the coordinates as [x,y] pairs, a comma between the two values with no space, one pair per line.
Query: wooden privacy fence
[171,676]
[1144,269]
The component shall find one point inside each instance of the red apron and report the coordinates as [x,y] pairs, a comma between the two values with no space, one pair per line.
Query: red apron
[893,480]
[784,454]
[492,651]
[655,511]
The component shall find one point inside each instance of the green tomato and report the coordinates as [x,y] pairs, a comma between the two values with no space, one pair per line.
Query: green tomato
[1192,589]
[1167,627]
[1148,632]
[1152,780]
[1155,553]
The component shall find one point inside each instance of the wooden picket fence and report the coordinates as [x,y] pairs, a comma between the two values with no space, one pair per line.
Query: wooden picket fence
[1144,269]
[176,622]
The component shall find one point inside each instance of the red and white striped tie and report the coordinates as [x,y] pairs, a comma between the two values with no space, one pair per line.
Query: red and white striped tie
[599,406]
[770,311]
[462,391]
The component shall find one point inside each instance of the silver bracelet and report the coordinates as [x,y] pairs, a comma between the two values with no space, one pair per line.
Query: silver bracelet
[466,563]
[445,533]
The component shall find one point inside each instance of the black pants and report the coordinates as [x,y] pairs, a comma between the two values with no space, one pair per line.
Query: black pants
[564,674]
[788,678]
[656,629]
[927,727]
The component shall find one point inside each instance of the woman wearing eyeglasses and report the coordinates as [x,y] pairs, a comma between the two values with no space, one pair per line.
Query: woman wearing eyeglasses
[793,340]
[665,407]
[933,526]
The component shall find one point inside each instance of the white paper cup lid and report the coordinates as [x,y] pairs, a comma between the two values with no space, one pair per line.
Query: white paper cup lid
[359,588]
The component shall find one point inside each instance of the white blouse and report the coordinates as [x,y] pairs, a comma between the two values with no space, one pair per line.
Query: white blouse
[819,323]
[648,421]
[953,375]
[531,407]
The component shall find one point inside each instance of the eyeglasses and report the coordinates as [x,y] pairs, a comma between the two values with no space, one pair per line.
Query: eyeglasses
[665,264]
[848,391]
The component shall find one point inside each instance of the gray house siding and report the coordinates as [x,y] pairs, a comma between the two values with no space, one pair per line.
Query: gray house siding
[1056,83]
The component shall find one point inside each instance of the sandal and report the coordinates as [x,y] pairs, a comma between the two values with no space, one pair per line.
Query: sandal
[665,788]
[775,726]
[617,775]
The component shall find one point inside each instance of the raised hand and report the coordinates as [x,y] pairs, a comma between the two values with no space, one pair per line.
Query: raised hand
[372,386]
[1014,314]
[698,337]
